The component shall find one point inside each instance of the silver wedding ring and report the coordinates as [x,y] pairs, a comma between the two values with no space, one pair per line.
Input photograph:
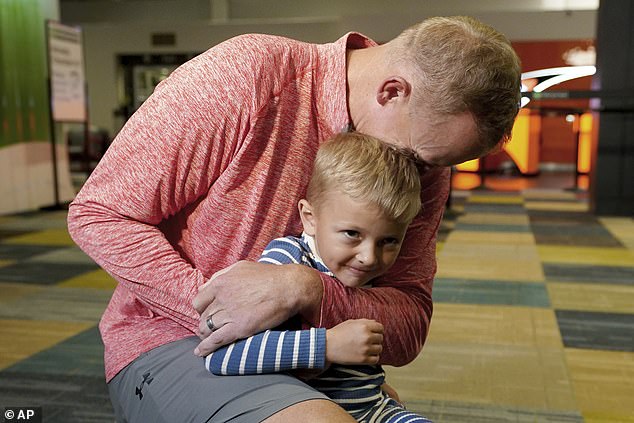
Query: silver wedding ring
[210,323]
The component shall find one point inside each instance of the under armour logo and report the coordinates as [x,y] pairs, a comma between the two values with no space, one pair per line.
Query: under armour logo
[139,389]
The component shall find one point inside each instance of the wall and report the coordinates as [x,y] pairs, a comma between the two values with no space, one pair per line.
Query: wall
[26,165]
[115,28]
[104,42]
[558,135]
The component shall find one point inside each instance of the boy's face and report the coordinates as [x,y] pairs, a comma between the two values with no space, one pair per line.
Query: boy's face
[357,241]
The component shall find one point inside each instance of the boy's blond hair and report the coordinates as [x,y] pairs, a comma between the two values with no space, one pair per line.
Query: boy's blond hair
[368,170]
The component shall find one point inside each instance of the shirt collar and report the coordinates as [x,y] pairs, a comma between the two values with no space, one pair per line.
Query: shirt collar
[310,242]
[331,82]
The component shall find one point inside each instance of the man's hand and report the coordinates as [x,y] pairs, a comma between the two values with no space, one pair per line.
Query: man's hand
[355,342]
[248,297]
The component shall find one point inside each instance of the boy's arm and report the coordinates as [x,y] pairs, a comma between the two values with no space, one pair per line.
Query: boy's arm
[352,342]
[401,300]
[270,352]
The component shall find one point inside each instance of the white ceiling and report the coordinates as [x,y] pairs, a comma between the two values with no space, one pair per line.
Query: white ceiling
[241,10]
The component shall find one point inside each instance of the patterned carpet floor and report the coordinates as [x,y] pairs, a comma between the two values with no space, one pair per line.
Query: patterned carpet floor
[533,318]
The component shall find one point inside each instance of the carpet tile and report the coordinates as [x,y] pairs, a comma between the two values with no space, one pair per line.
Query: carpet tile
[51,304]
[492,227]
[6,233]
[42,273]
[533,315]
[581,273]
[21,252]
[603,382]
[56,236]
[72,255]
[466,291]
[97,279]
[77,355]
[579,235]
[592,297]
[494,208]
[513,376]
[622,228]
[457,412]
[586,255]
[557,205]
[592,330]
[20,339]
[63,398]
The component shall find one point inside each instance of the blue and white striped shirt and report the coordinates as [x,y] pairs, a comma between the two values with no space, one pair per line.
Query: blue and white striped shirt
[355,388]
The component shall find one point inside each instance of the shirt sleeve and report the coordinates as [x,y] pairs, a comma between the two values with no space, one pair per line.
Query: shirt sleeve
[401,299]
[270,352]
[282,251]
[164,159]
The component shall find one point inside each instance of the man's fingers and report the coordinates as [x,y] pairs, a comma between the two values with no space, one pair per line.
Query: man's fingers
[202,300]
[205,294]
[214,341]
[215,275]
[210,321]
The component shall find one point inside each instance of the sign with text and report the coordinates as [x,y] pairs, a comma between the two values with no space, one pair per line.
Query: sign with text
[66,71]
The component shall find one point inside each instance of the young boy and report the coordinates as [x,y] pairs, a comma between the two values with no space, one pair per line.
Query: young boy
[362,196]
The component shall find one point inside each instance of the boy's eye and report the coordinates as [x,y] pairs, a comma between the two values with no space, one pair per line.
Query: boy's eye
[391,241]
[351,234]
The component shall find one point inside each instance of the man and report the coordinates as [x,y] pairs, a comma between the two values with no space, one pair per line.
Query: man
[208,170]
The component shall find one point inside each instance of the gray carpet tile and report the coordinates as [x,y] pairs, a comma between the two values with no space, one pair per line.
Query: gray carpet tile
[598,331]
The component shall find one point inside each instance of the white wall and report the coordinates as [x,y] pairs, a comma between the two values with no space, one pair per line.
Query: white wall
[125,27]
[104,42]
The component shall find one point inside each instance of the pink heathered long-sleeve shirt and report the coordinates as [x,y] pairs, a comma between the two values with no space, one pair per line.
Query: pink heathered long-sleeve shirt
[209,170]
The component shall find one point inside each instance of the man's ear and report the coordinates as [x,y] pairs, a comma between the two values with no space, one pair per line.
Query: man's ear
[306,213]
[392,89]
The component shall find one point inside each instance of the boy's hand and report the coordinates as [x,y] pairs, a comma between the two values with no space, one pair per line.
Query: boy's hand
[355,342]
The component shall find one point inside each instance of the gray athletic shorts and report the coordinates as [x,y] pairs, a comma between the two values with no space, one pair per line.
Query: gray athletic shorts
[170,384]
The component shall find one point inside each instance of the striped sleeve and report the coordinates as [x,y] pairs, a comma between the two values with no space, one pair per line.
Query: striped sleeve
[285,250]
[270,352]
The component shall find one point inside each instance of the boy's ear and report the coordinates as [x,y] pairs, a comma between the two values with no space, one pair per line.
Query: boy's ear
[307,215]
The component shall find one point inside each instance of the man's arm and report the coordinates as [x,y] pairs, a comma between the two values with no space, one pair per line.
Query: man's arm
[273,350]
[165,158]
[401,300]
[351,342]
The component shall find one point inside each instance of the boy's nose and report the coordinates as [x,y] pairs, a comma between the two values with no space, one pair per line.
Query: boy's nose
[367,256]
